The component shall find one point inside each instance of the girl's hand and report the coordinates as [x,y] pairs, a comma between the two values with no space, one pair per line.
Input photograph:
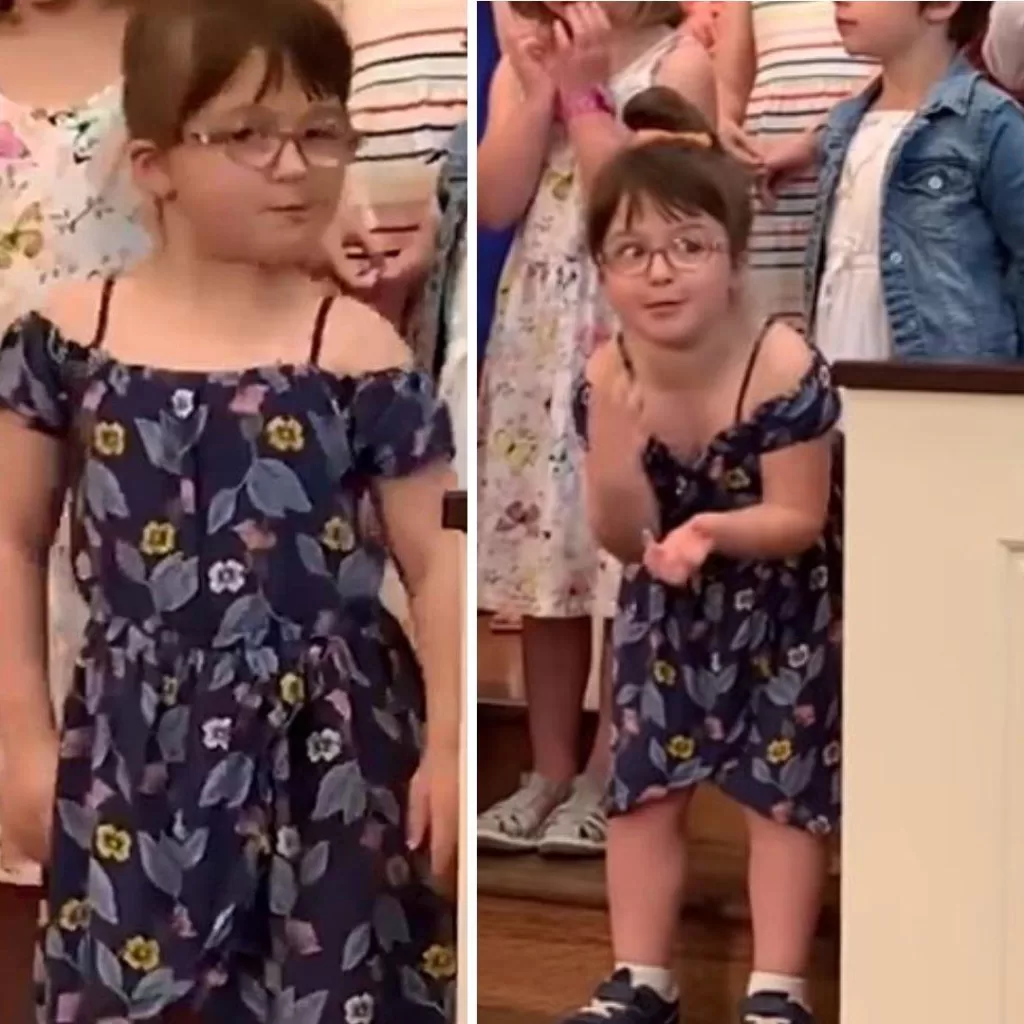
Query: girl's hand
[623,423]
[28,785]
[741,145]
[531,54]
[582,48]
[700,23]
[434,815]
[784,159]
[675,559]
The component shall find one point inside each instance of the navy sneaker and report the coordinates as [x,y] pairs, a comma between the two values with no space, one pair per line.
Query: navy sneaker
[618,1001]
[773,1008]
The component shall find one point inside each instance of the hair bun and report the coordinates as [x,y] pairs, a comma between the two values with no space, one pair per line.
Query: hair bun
[661,109]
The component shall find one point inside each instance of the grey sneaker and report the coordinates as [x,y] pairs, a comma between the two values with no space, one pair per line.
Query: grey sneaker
[578,827]
[617,1001]
[773,1008]
[514,825]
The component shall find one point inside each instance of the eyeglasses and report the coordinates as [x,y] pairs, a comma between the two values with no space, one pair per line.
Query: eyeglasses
[322,145]
[683,253]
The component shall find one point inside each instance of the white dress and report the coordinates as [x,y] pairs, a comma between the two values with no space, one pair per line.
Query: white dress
[66,212]
[851,322]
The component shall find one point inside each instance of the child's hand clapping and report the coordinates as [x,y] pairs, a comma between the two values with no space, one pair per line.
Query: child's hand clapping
[679,555]
[531,54]
[582,50]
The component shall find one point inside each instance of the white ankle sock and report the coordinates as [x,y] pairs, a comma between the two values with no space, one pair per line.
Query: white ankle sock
[795,988]
[658,979]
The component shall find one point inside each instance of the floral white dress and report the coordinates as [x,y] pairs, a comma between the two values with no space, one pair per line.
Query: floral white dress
[537,556]
[66,211]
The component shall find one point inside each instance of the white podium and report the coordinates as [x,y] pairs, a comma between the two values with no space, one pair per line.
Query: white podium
[933,834]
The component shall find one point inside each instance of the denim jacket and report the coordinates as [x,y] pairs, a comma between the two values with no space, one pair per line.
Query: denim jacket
[952,232]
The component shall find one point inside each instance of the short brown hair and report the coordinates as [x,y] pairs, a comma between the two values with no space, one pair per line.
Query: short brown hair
[693,175]
[179,54]
[655,12]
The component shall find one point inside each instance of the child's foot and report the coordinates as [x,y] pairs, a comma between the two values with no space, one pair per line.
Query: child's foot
[514,825]
[773,1008]
[578,827]
[616,1001]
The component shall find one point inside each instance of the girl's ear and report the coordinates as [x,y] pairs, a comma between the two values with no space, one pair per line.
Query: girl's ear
[149,170]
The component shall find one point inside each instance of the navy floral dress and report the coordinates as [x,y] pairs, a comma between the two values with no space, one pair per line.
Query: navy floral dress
[245,715]
[735,678]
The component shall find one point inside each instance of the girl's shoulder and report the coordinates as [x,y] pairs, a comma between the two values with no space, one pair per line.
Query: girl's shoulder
[782,362]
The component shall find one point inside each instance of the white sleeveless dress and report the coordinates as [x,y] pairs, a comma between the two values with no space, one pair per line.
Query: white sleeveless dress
[536,555]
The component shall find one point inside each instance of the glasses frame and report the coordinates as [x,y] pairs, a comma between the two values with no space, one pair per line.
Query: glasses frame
[223,138]
[644,269]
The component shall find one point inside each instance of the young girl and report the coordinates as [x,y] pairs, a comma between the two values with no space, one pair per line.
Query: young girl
[918,240]
[552,126]
[239,787]
[711,472]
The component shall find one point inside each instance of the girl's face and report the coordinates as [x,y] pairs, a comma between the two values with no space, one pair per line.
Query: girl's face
[669,277]
[256,179]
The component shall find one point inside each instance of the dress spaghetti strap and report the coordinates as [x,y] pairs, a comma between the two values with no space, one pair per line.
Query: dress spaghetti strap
[103,316]
[749,372]
[318,330]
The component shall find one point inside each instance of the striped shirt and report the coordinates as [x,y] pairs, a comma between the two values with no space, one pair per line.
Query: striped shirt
[408,95]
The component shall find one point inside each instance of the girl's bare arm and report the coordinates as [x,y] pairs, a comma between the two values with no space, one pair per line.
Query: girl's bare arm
[735,60]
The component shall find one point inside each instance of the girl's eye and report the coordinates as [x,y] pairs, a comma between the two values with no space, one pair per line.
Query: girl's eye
[628,251]
[688,246]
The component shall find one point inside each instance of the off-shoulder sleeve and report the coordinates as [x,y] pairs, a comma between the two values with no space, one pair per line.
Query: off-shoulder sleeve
[33,375]
[399,425]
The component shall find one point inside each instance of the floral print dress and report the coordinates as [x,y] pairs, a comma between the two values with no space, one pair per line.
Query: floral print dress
[245,717]
[735,678]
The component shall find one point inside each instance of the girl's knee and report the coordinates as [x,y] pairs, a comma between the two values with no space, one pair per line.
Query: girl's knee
[668,813]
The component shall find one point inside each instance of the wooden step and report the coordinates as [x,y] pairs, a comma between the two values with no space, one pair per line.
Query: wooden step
[19,916]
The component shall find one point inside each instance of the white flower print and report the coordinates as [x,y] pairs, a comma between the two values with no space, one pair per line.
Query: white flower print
[288,842]
[745,601]
[819,577]
[183,402]
[359,1010]
[324,746]
[799,656]
[217,733]
[227,577]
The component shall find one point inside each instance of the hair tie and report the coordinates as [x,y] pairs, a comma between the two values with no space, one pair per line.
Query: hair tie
[646,136]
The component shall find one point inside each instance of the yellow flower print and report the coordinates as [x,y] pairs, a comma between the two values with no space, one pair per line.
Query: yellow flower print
[73,916]
[763,666]
[682,748]
[439,962]
[292,688]
[780,752]
[158,539]
[338,535]
[518,450]
[141,954]
[108,439]
[169,691]
[113,843]
[737,479]
[664,674]
[285,434]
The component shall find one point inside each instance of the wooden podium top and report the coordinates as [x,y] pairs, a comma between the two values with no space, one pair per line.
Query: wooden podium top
[951,378]
[456,511]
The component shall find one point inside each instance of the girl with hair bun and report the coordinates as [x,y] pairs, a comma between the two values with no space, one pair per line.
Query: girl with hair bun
[712,472]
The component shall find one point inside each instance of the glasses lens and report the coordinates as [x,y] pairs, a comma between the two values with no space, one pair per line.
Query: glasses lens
[253,147]
[327,145]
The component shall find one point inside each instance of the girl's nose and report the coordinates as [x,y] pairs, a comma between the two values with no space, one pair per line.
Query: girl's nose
[290,161]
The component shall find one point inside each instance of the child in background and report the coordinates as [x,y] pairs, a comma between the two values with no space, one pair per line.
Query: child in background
[918,241]
[238,793]
[713,472]
[552,126]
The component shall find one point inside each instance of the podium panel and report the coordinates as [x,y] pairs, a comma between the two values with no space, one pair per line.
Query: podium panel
[933,833]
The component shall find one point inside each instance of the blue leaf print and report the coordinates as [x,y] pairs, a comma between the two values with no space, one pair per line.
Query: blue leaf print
[221,928]
[149,703]
[109,969]
[284,889]
[332,434]
[357,947]
[223,673]
[627,695]
[701,688]
[311,553]
[796,775]
[817,665]
[314,864]
[690,773]
[309,1009]
[194,848]
[221,510]
[101,741]
[101,893]
[342,791]
[160,446]
[103,493]
[360,574]
[658,757]
[414,988]
[160,865]
[172,734]
[762,773]
[389,922]
[254,996]
[823,615]
[153,993]
[174,582]
[130,562]
[784,688]
[263,663]
[275,489]
[652,705]
[229,782]
[386,804]
[389,725]
[78,822]
[246,619]
[54,944]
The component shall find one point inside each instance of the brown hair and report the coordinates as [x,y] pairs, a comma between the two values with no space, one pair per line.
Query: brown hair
[684,171]
[968,23]
[179,54]
[656,12]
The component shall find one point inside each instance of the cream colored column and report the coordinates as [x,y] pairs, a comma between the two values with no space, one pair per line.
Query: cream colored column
[933,847]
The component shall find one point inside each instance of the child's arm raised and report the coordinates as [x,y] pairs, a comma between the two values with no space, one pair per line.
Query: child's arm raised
[33,424]
[621,506]
[511,156]
[582,66]
[402,441]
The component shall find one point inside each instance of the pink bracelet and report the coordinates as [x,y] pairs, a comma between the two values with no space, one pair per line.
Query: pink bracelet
[578,104]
